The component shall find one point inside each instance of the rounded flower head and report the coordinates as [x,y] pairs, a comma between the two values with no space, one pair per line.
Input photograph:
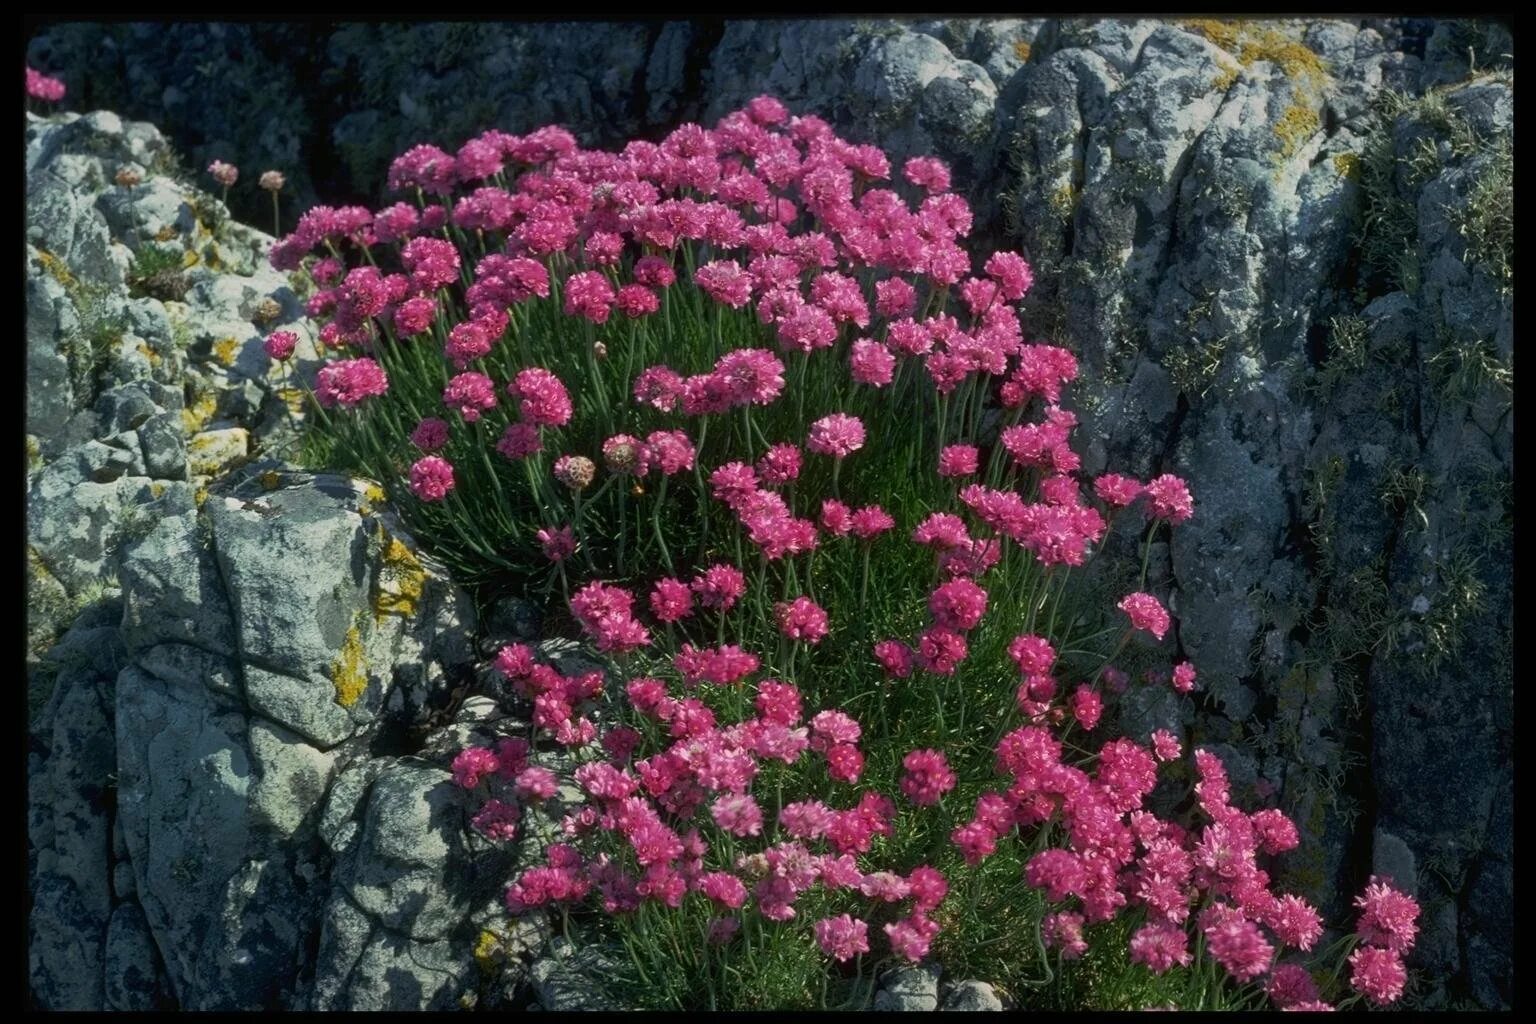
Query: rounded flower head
[1388,917]
[431,478]
[471,394]
[575,471]
[927,777]
[958,460]
[349,382]
[280,345]
[44,87]
[1160,947]
[1147,613]
[625,454]
[430,434]
[842,937]
[1169,496]
[272,181]
[1378,974]
[837,435]
[558,543]
[802,619]
[779,465]
[223,173]
[958,604]
[542,398]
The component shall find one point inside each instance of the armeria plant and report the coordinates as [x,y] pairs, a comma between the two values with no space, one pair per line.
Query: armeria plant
[803,482]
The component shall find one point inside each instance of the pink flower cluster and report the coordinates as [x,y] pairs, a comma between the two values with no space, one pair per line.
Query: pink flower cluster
[42,87]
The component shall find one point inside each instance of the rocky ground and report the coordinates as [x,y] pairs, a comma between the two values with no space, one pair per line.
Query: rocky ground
[1283,250]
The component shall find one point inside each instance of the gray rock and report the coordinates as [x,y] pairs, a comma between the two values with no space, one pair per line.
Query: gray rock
[909,989]
[972,996]
[133,979]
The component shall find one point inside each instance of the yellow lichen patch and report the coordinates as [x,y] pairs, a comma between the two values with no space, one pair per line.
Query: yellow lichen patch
[1063,201]
[1223,33]
[1348,165]
[488,951]
[270,480]
[34,451]
[156,489]
[56,269]
[148,353]
[166,233]
[1293,58]
[374,493]
[224,351]
[1251,43]
[196,416]
[294,398]
[1223,81]
[1021,50]
[189,259]
[350,672]
[200,495]
[400,582]
[1295,127]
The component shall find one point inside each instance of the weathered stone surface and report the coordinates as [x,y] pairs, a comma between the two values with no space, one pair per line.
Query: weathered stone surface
[909,989]
[972,996]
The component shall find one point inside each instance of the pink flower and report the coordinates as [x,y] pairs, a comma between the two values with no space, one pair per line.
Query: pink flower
[895,657]
[927,777]
[1169,496]
[779,465]
[543,400]
[519,441]
[1033,654]
[911,937]
[778,702]
[497,820]
[737,814]
[1087,707]
[837,435]
[1011,273]
[958,460]
[558,543]
[871,363]
[1115,490]
[625,455]
[941,650]
[471,394]
[280,345]
[723,888]
[43,87]
[431,478]
[1064,931]
[1377,973]
[536,783]
[574,471]
[636,300]
[1165,745]
[671,600]
[1295,922]
[349,382]
[726,282]
[1183,677]
[414,316]
[844,762]
[895,298]
[836,518]
[1277,833]
[842,937]
[672,450]
[719,586]
[1146,612]
[1388,917]
[802,619]
[869,522]
[958,604]
[1160,947]
[927,886]
[1235,942]
[1290,986]
[430,434]
[589,295]
[473,764]
[223,173]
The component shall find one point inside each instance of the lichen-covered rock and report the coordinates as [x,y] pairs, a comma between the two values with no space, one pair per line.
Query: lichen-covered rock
[909,989]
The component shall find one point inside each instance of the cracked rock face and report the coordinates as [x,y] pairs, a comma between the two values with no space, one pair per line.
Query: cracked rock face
[1282,251]
[213,693]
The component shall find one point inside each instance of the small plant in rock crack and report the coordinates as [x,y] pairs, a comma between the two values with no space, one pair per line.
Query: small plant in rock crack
[744,398]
